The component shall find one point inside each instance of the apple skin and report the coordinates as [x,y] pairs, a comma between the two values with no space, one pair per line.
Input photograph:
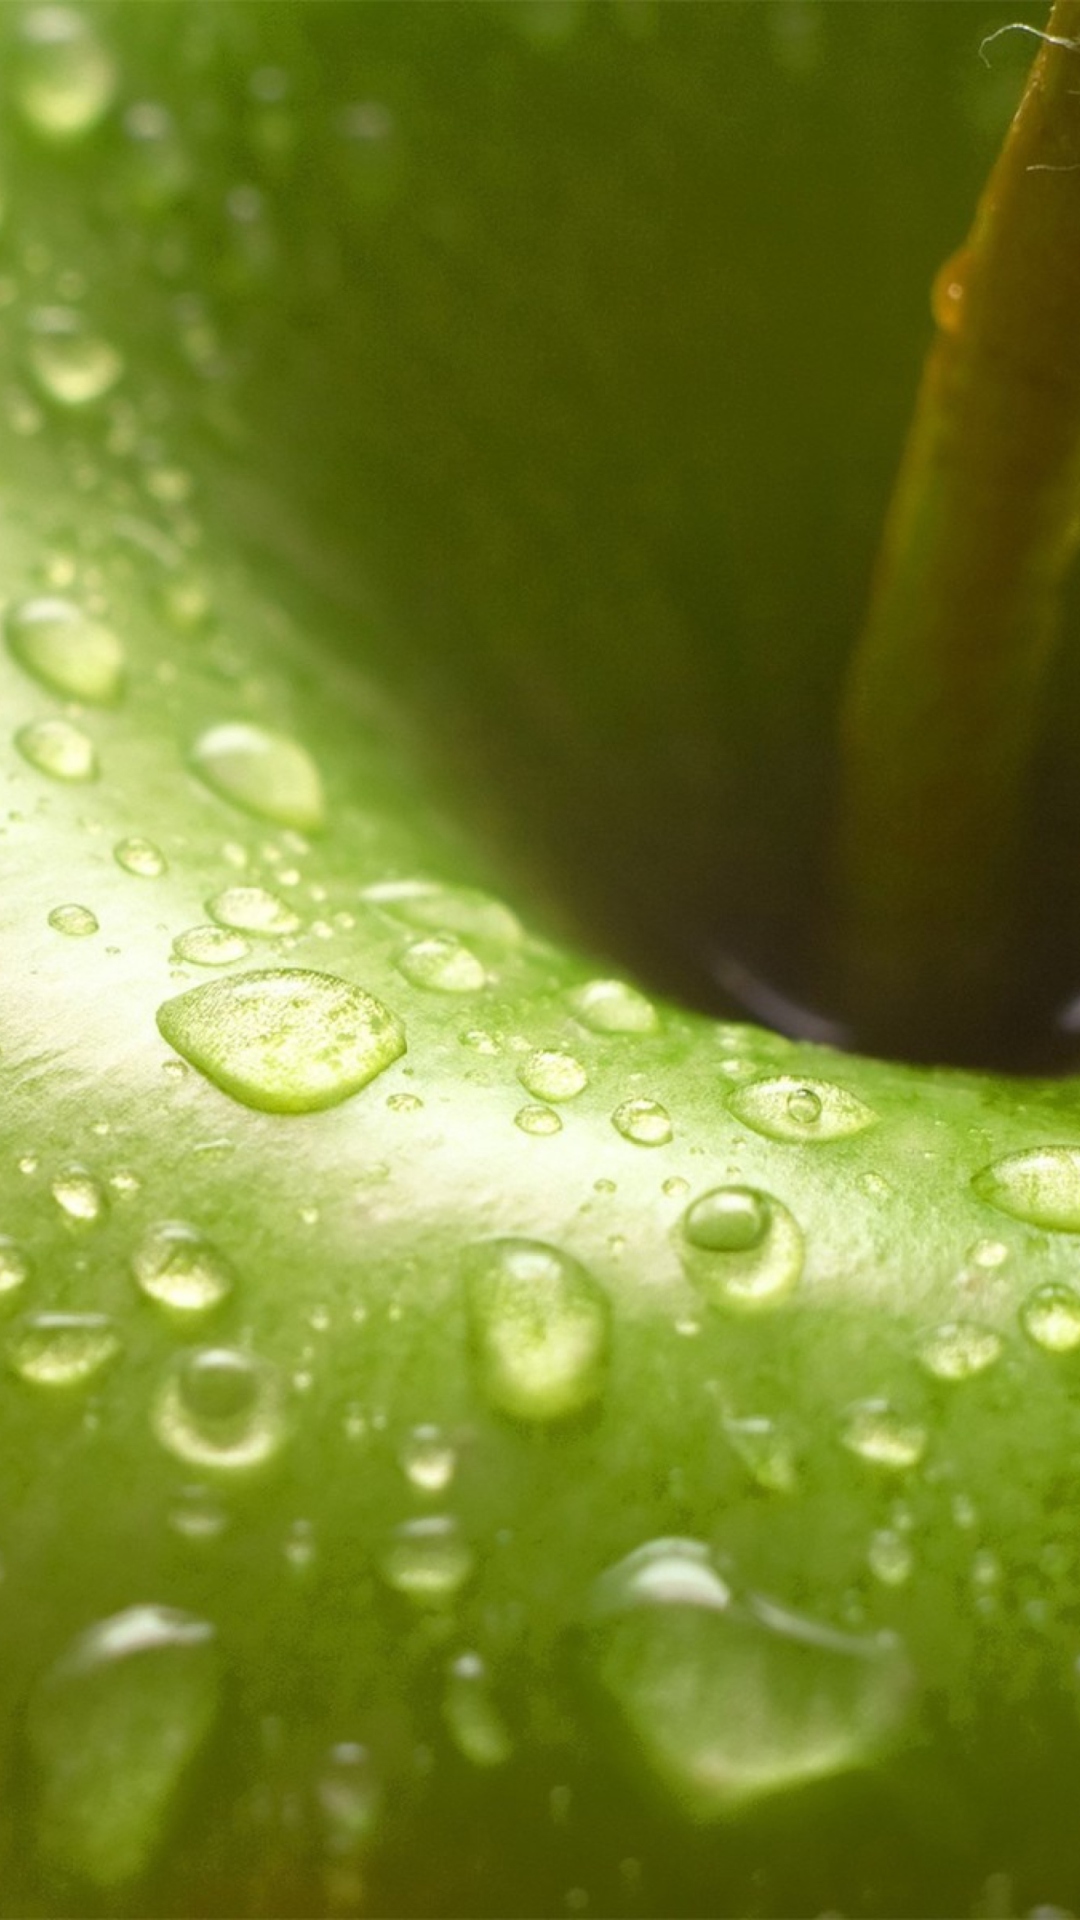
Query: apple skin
[304,1738]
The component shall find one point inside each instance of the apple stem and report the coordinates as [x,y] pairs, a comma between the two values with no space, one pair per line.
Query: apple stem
[941,708]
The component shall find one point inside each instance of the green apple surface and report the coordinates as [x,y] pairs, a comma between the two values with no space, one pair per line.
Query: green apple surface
[478,1436]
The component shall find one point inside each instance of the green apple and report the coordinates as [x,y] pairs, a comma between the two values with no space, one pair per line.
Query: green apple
[478,1435]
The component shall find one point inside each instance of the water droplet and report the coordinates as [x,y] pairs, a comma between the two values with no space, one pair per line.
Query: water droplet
[645,1122]
[58,748]
[177,1266]
[462,910]
[290,1041]
[113,1727]
[1040,1186]
[196,1516]
[472,1718]
[727,1703]
[890,1557]
[405,1103]
[265,773]
[210,947]
[80,1196]
[442,964]
[959,1349]
[429,1459]
[549,1075]
[949,288]
[538,1120]
[14,1267]
[540,1329]
[427,1560]
[766,1453]
[741,1248]
[347,1796]
[610,1006]
[74,920]
[789,1109]
[65,649]
[64,79]
[221,1407]
[253,910]
[61,1349]
[879,1434]
[1050,1316]
[71,366]
[140,857]
[159,170]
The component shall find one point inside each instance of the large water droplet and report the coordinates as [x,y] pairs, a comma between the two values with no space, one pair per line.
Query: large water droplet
[265,773]
[178,1267]
[729,1703]
[442,964]
[14,1267]
[140,857]
[80,1196]
[61,1349]
[71,366]
[550,1075]
[210,946]
[221,1407]
[1050,1316]
[253,910]
[73,920]
[785,1108]
[879,1434]
[65,649]
[959,1349]
[472,1718]
[610,1006]
[58,748]
[64,80]
[113,1727]
[290,1041]
[741,1248]
[540,1329]
[427,1560]
[645,1122]
[1040,1185]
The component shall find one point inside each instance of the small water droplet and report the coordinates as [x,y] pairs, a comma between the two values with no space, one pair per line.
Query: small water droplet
[178,1267]
[540,1121]
[879,1434]
[114,1726]
[427,1560]
[221,1407]
[348,1797]
[196,1516]
[948,290]
[64,80]
[210,947]
[988,1254]
[1040,1185]
[265,773]
[610,1006]
[540,1329]
[550,1075]
[959,1349]
[1050,1316]
[890,1557]
[61,1349]
[472,1718]
[71,366]
[405,1103]
[74,920]
[443,965]
[14,1267]
[464,911]
[140,857]
[645,1122]
[253,910]
[59,749]
[289,1041]
[428,1459]
[741,1248]
[765,1451]
[784,1108]
[65,649]
[79,1196]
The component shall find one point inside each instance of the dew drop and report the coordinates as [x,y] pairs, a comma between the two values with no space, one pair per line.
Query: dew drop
[61,1349]
[610,1006]
[59,749]
[959,1349]
[1040,1185]
[541,1121]
[64,79]
[265,773]
[140,857]
[645,1122]
[428,1459]
[766,1453]
[210,947]
[289,1041]
[65,649]
[540,1329]
[1050,1316]
[14,1267]
[74,920]
[875,1431]
[347,1796]
[428,1560]
[439,909]
[71,366]
[890,1557]
[221,1407]
[113,1727]
[197,1517]
[741,1248]
[178,1267]
[726,1703]
[472,1718]
[784,1108]
[443,965]
[549,1075]
[80,1197]
[253,910]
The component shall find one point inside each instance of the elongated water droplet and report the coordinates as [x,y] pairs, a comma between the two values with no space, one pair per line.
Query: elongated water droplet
[61,1349]
[550,1075]
[610,1006]
[58,748]
[80,1196]
[959,1349]
[114,1726]
[64,79]
[290,1041]
[178,1267]
[140,857]
[265,773]
[741,1248]
[645,1122]
[765,1451]
[221,1408]
[726,1703]
[210,946]
[73,920]
[14,1267]
[427,1560]
[429,1459]
[426,904]
[1050,1316]
[472,1718]
[1040,1185]
[875,1431]
[785,1108]
[540,1121]
[442,964]
[540,1329]
[65,649]
[253,910]
[71,366]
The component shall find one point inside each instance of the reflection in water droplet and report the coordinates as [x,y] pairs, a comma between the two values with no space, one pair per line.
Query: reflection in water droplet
[65,649]
[645,1122]
[789,1109]
[288,1041]
[610,1006]
[472,1718]
[210,947]
[253,910]
[177,1266]
[221,1407]
[113,1727]
[73,920]
[727,1703]
[741,1248]
[1050,1316]
[879,1434]
[140,857]
[64,80]
[1040,1186]
[70,365]
[443,965]
[61,1349]
[58,748]
[539,1325]
[765,1452]
[265,773]
[427,1560]
[14,1267]
[540,1121]
[549,1075]
[959,1349]
[80,1196]
[429,1459]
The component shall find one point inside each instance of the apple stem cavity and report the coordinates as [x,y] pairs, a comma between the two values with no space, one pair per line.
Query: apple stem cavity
[940,714]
